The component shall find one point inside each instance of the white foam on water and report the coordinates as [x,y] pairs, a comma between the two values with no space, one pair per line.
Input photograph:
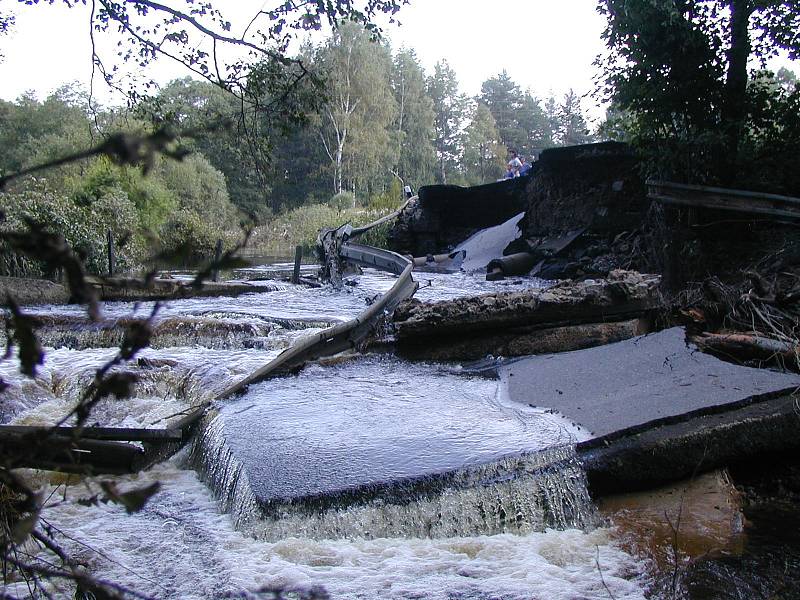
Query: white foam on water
[173,380]
[180,546]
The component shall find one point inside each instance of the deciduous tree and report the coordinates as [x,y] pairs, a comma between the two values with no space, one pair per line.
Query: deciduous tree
[679,68]
[415,157]
[360,106]
[449,107]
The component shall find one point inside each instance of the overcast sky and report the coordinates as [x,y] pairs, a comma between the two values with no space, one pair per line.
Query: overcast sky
[547,46]
[543,44]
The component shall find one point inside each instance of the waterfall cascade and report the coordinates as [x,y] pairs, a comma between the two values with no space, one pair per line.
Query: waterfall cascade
[209,330]
[515,494]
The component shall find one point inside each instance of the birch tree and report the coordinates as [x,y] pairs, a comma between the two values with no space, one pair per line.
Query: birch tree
[413,130]
[359,106]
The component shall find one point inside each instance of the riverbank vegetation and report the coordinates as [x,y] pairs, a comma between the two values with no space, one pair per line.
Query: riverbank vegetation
[689,88]
[332,134]
[363,123]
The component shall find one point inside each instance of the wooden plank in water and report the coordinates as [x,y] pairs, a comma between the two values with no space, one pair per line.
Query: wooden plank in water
[120,434]
[67,455]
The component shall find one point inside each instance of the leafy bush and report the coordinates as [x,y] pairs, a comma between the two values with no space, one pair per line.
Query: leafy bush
[343,201]
[153,201]
[188,236]
[83,227]
[197,186]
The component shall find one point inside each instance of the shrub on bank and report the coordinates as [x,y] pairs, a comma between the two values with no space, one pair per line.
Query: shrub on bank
[343,201]
[187,236]
[83,227]
[300,227]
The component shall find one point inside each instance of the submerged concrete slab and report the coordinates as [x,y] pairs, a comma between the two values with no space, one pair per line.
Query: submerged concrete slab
[637,383]
[377,447]
[371,421]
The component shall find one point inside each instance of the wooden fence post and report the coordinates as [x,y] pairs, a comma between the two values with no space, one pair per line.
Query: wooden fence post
[298,255]
[112,258]
[217,258]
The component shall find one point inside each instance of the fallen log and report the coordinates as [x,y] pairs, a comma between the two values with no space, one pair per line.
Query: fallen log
[746,346]
[121,288]
[33,291]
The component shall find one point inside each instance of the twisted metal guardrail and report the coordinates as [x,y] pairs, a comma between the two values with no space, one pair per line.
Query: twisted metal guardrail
[698,196]
[343,336]
[108,449]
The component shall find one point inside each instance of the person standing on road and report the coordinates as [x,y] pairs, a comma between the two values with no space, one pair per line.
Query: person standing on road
[514,165]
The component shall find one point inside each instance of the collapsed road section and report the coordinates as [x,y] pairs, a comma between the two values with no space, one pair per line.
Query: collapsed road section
[567,316]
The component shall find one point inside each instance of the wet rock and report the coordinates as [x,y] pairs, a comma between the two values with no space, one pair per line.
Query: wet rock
[768,563]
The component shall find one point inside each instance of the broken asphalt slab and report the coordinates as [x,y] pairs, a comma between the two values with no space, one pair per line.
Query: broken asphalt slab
[638,383]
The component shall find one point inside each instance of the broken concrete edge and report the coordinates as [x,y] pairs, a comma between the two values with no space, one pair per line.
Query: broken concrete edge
[620,296]
[676,449]
[525,341]
[408,490]
[605,440]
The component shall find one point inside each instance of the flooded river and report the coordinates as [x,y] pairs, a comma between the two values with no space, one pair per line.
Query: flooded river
[188,544]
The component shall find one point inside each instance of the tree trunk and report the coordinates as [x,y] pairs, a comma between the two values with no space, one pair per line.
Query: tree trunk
[736,83]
